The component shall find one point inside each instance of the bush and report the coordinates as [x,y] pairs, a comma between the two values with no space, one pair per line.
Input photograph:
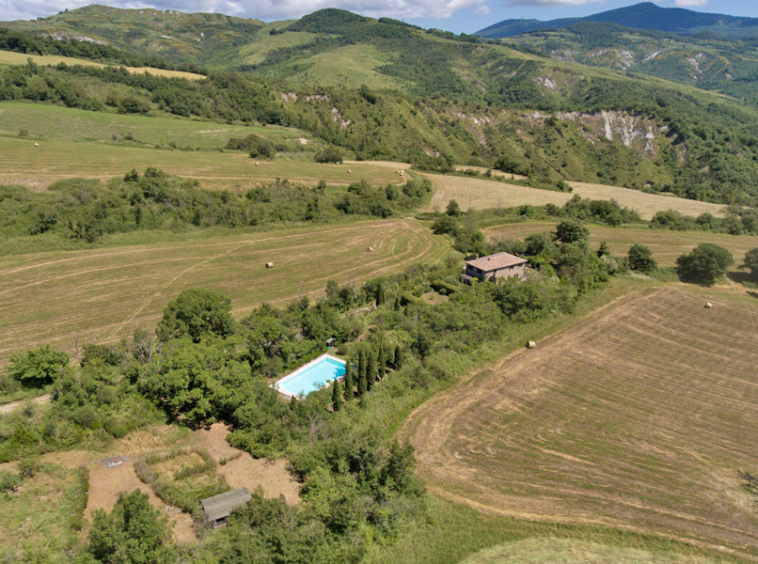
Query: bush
[572,231]
[38,367]
[751,262]
[329,155]
[705,264]
[196,313]
[641,259]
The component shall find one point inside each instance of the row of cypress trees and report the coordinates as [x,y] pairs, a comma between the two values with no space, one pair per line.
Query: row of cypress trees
[371,366]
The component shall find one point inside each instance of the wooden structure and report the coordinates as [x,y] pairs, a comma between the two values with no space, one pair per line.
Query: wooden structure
[216,509]
[496,267]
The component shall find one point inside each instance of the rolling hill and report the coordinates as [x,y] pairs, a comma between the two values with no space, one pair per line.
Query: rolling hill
[646,15]
[381,89]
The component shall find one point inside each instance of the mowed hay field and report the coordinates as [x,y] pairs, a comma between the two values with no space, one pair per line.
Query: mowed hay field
[37,167]
[666,246]
[43,122]
[13,58]
[478,193]
[640,417]
[103,295]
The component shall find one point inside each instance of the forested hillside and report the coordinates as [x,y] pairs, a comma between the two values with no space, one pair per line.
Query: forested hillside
[383,89]
[646,15]
[708,61]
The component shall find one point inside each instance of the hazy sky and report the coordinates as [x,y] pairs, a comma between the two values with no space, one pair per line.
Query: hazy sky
[453,15]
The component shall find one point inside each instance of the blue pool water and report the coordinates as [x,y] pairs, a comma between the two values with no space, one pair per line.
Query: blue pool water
[312,376]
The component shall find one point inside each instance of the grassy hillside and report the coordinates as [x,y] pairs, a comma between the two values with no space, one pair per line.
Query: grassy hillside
[171,35]
[431,98]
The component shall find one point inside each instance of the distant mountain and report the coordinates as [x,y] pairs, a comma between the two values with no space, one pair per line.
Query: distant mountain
[640,16]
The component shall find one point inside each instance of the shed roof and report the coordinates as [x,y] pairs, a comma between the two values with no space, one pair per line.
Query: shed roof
[496,262]
[222,505]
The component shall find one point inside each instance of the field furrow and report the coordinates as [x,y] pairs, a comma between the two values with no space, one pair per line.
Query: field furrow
[641,416]
[103,295]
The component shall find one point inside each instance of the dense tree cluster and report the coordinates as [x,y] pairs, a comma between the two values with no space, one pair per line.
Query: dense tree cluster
[85,210]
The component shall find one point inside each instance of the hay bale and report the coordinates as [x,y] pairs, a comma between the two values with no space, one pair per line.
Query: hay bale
[269,265]
[531,345]
[36,144]
[708,305]
[349,171]
[370,250]
[257,163]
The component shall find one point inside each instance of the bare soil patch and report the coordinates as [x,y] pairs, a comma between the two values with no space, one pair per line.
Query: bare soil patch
[112,473]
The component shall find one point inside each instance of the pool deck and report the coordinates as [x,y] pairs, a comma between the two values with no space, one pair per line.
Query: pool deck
[277,385]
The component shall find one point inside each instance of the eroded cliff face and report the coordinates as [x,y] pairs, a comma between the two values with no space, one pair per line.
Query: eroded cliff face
[638,132]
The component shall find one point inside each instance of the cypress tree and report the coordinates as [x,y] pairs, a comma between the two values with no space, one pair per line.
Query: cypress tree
[398,305]
[371,370]
[362,368]
[362,385]
[336,396]
[349,384]
[398,361]
[382,362]
[380,297]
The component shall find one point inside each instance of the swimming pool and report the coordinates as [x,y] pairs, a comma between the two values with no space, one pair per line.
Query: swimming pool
[310,377]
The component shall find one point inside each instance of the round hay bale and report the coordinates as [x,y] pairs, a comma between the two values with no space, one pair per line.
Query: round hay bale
[531,345]
[349,171]
[370,250]
[257,163]
[708,305]
[269,265]
[36,144]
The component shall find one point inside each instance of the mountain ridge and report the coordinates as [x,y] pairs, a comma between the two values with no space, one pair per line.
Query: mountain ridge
[645,15]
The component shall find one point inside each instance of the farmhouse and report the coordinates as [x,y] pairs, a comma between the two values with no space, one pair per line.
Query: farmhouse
[495,267]
[217,509]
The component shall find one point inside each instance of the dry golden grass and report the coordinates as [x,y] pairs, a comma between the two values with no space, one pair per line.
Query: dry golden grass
[639,417]
[103,295]
[13,58]
[479,193]
[665,245]
[25,164]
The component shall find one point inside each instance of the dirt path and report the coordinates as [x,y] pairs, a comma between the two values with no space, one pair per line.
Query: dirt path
[8,407]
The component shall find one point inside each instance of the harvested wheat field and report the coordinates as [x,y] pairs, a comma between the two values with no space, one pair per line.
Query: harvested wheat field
[13,58]
[38,167]
[665,245]
[103,295]
[641,417]
[477,193]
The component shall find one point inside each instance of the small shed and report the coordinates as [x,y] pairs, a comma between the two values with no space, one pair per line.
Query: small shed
[216,509]
[331,342]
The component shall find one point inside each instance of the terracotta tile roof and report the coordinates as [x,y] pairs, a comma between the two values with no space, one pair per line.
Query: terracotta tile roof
[496,262]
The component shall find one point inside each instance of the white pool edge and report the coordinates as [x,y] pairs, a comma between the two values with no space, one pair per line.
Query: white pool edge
[276,385]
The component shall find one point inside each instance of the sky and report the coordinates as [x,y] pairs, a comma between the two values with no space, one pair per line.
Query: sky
[452,15]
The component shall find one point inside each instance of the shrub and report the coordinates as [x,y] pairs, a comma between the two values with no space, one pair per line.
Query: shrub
[705,264]
[641,259]
[751,262]
[328,155]
[38,367]
[572,231]
[196,313]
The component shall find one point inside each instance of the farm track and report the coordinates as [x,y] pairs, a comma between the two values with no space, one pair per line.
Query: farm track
[638,417]
[102,295]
